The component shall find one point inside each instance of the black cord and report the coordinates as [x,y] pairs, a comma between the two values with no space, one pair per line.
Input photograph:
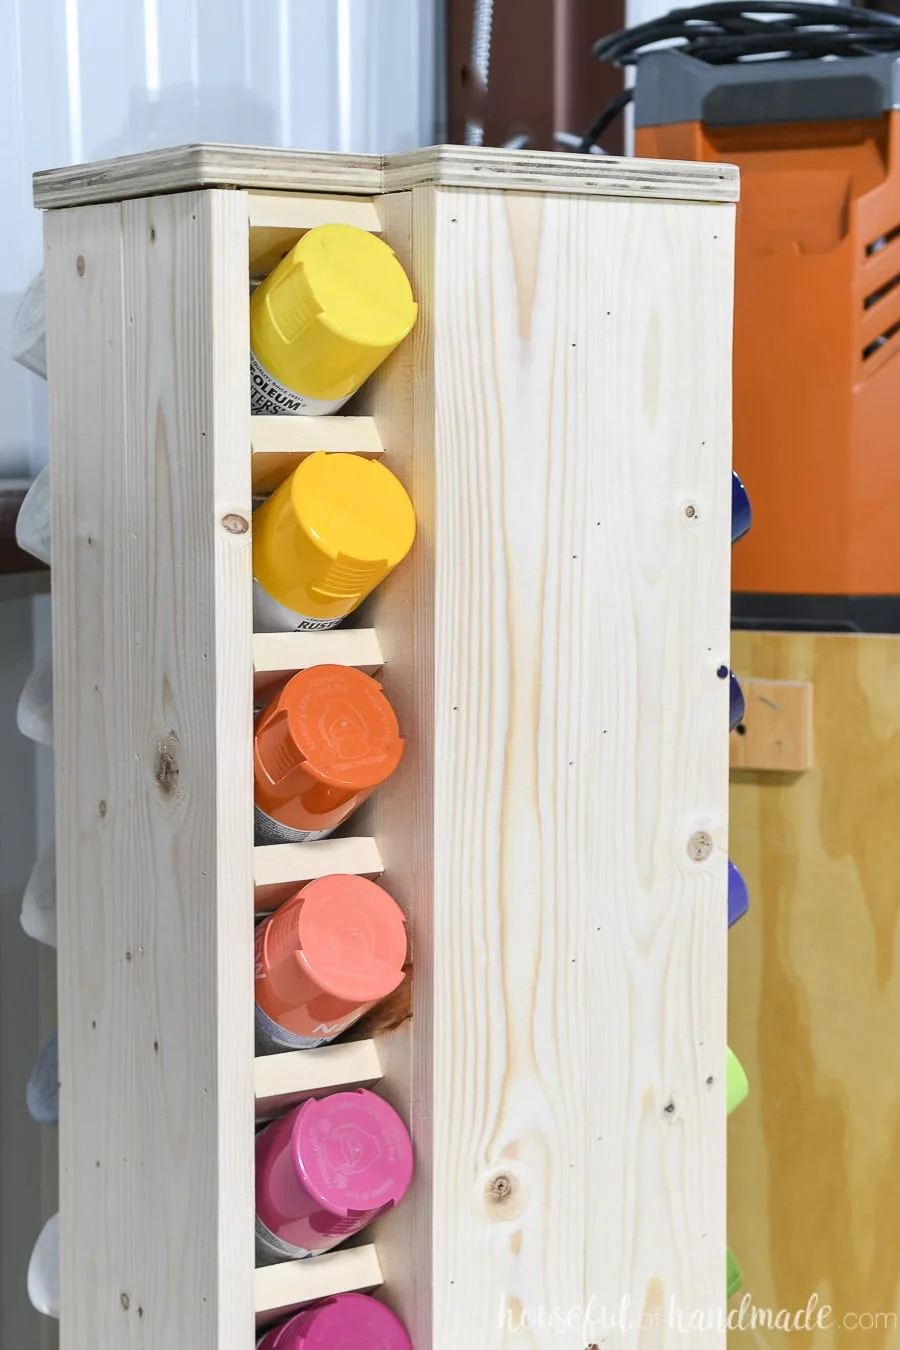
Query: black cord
[729,31]
[602,121]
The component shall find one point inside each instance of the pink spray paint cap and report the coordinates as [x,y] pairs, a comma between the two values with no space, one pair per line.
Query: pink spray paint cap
[353,1152]
[346,1322]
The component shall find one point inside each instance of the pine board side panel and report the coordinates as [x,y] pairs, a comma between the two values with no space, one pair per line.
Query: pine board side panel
[149,415]
[580,376]
[814,1000]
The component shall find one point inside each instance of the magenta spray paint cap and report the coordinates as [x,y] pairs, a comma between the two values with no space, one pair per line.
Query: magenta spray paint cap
[326,1169]
[347,1322]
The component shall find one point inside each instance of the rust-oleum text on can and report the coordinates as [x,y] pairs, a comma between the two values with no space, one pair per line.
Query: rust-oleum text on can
[324,319]
[320,748]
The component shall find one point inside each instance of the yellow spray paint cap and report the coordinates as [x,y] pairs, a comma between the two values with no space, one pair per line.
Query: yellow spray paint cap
[736,1085]
[325,318]
[329,534]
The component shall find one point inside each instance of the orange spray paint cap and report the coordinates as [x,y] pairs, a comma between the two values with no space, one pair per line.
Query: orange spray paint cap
[321,747]
[323,959]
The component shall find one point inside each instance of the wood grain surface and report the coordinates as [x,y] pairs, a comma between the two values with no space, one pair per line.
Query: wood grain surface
[280,1288]
[277,220]
[180,168]
[282,1080]
[278,444]
[278,656]
[814,1000]
[557,633]
[147,333]
[775,733]
[279,870]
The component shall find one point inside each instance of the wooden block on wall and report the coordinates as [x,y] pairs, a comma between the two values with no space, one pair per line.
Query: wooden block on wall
[776,732]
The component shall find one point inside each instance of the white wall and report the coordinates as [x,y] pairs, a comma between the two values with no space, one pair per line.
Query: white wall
[83,80]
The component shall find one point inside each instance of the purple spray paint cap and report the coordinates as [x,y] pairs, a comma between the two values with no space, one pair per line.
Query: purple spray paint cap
[353,1152]
[346,1322]
[738,899]
[736,702]
[741,515]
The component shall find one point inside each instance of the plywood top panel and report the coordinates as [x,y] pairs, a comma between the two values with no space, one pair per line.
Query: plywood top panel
[183,168]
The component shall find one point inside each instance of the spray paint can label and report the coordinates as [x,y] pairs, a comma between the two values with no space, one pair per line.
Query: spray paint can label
[269,396]
[269,831]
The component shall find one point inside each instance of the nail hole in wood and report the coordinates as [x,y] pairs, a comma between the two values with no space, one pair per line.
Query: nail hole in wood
[125,1301]
[102,809]
[79,264]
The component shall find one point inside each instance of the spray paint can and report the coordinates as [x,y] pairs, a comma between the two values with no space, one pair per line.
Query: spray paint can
[320,748]
[347,1320]
[324,319]
[323,959]
[324,539]
[326,1170]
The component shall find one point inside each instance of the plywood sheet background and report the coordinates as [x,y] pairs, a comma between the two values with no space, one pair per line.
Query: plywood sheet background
[814,999]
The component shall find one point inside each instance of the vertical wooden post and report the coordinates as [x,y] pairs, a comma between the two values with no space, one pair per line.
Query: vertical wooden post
[556,832]
[147,341]
[562,419]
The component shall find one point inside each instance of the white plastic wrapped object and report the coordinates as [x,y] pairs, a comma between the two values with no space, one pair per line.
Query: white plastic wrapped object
[43,1270]
[39,900]
[42,1090]
[34,715]
[27,344]
[33,523]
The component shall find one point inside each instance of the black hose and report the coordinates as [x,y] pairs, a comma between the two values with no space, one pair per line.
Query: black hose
[731,31]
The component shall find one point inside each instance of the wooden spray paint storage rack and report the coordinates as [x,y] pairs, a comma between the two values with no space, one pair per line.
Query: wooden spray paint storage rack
[556,831]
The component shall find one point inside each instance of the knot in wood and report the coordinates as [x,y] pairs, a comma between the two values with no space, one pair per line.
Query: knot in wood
[500,1188]
[504,1195]
[235,524]
[700,845]
[165,768]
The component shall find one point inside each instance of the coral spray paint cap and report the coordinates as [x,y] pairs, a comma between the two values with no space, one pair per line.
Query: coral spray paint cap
[741,515]
[353,1152]
[736,1085]
[326,317]
[346,1322]
[328,954]
[330,534]
[736,705]
[738,899]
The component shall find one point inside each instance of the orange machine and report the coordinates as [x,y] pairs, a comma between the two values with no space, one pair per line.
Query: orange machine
[804,99]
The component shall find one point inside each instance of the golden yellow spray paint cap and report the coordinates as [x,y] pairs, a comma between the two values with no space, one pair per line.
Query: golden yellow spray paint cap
[330,533]
[328,315]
